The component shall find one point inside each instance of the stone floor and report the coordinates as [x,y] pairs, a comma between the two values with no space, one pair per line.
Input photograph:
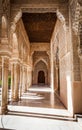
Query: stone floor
[39,99]
[32,123]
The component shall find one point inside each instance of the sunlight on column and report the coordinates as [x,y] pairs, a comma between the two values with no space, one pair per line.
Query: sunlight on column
[4,26]
[14,37]
[69,95]
[52,99]
[15,42]
[4,22]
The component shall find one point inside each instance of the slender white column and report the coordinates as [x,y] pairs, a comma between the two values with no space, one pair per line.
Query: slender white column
[12,81]
[0,22]
[0,72]
[27,78]
[16,82]
[57,77]
[15,73]
[4,98]
[20,85]
[23,80]
[30,77]
[52,68]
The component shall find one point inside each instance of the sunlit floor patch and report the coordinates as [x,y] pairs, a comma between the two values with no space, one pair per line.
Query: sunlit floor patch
[30,95]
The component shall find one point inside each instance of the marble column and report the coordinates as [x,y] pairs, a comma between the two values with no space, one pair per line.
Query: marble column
[27,78]
[52,68]
[0,24]
[20,85]
[30,79]
[0,69]
[0,73]
[12,81]
[15,74]
[23,79]
[4,99]
[16,82]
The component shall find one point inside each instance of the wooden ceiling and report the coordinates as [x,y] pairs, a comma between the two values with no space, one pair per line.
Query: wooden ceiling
[39,26]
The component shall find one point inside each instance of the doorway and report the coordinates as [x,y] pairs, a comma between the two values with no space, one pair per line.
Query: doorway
[41,77]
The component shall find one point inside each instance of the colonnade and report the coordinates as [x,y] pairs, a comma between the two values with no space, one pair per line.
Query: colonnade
[20,81]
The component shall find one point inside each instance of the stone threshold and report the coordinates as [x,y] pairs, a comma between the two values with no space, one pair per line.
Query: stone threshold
[49,111]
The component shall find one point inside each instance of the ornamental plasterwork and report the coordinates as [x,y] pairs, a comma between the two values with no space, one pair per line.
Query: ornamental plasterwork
[75,13]
[5,6]
[60,17]
[16,18]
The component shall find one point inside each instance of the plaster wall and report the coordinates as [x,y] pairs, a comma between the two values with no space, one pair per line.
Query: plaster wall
[61,38]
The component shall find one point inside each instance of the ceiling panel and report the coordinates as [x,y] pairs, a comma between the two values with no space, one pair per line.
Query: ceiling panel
[39,26]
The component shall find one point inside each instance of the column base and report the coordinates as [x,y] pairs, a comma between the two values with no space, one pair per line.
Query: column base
[4,110]
[15,99]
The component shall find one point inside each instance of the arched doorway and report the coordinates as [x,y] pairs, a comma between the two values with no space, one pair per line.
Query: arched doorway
[40,74]
[41,77]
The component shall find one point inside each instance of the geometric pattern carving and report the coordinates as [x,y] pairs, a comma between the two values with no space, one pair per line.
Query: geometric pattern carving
[75,11]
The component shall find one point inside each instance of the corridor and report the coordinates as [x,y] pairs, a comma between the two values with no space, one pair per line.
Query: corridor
[41,64]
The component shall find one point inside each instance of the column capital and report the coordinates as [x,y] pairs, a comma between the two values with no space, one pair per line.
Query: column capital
[5,61]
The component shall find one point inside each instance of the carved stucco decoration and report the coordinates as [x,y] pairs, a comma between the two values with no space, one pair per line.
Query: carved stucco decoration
[60,17]
[15,20]
[75,14]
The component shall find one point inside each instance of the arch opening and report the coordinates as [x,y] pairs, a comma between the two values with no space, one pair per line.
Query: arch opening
[40,74]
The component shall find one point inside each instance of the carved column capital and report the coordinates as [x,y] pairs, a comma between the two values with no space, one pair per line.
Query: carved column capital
[60,17]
